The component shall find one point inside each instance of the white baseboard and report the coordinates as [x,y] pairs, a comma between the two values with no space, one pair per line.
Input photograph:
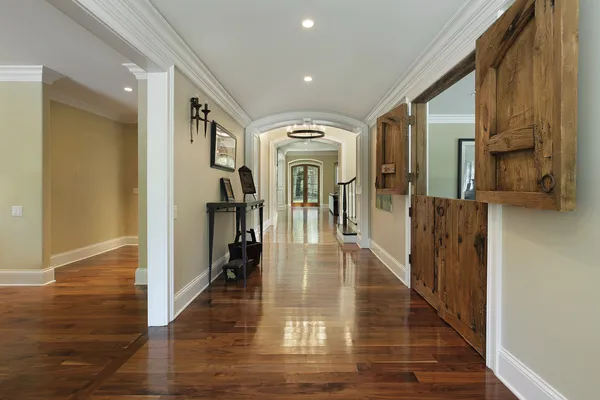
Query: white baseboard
[390,262]
[141,276]
[189,292]
[522,381]
[69,257]
[25,277]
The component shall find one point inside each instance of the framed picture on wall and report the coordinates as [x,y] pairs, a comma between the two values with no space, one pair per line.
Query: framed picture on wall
[465,184]
[223,148]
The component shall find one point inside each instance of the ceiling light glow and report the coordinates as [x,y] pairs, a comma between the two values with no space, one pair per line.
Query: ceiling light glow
[308,23]
[128,89]
[308,79]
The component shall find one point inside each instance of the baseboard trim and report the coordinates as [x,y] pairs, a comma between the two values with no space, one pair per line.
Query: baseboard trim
[346,239]
[187,294]
[25,277]
[522,381]
[390,262]
[69,257]
[141,276]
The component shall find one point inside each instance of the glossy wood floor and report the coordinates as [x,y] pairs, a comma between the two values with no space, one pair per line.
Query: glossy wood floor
[320,321]
[62,340]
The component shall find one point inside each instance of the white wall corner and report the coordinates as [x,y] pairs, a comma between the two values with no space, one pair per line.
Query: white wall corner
[71,256]
[522,381]
[24,277]
[187,294]
[28,73]
[141,276]
[390,262]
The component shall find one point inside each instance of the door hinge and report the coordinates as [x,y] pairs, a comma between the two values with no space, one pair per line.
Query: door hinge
[410,177]
[412,120]
[410,212]
[410,259]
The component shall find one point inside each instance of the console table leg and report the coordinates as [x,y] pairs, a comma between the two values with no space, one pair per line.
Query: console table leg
[211,234]
[244,254]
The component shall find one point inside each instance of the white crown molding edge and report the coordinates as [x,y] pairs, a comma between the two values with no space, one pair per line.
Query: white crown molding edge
[452,44]
[451,119]
[141,25]
[65,98]
[395,266]
[139,73]
[322,152]
[28,73]
[522,381]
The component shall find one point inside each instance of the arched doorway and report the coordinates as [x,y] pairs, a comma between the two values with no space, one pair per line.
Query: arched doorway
[304,185]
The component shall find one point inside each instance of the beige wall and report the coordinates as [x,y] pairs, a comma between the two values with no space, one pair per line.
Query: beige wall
[327,171]
[443,157]
[264,189]
[196,184]
[551,267]
[388,229]
[142,179]
[21,175]
[93,172]
[130,178]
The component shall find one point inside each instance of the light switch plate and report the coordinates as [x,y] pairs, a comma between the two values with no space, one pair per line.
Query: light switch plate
[135,190]
[17,211]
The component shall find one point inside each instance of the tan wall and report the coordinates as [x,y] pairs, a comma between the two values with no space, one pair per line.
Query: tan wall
[388,229]
[264,188]
[443,157]
[551,267]
[90,182]
[142,179]
[196,184]
[328,172]
[130,178]
[21,175]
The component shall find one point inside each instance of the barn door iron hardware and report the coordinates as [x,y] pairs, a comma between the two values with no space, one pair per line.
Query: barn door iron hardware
[548,183]
[195,110]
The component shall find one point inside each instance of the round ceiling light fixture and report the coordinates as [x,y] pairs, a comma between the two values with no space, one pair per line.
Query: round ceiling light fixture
[308,23]
[308,79]
[128,89]
[306,132]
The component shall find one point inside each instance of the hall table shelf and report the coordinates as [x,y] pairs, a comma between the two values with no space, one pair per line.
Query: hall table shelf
[240,208]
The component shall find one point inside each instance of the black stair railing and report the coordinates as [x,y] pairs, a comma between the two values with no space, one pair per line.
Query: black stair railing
[348,193]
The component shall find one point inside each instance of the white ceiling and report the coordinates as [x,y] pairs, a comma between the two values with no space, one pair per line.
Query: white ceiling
[260,53]
[33,32]
[316,145]
[458,99]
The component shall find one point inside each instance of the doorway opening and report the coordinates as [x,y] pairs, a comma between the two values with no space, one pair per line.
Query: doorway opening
[305,190]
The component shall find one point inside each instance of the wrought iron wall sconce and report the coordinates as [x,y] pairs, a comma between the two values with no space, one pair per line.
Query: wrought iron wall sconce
[195,110]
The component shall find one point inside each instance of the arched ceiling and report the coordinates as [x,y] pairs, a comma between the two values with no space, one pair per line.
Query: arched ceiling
[260,53]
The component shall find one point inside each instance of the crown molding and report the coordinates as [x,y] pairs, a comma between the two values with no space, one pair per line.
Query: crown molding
[139,73]
[28,73]
[451,119]
[74,102]
[300,117]
[453,43]
[144,28]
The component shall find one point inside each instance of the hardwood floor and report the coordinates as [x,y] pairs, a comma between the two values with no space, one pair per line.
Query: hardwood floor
[320,321]
[60,341]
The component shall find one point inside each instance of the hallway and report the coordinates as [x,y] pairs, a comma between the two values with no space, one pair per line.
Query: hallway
[320,322]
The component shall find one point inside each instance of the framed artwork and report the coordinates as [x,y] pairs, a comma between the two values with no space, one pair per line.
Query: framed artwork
[465,184]
[247,180]
[227,190]
[223,148]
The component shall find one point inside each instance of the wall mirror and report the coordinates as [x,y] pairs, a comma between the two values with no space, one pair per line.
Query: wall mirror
[451,141]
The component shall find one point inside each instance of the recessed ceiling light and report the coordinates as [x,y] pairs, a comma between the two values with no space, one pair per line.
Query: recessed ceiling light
[308,79]
[128,89]
[308,23]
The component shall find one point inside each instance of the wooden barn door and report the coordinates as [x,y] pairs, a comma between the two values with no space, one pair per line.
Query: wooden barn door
[423,268]
[461,261]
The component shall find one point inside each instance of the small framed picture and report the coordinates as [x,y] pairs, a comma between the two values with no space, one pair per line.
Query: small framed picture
[227,190]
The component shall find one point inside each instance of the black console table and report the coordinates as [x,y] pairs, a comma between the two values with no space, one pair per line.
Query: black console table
[240,208]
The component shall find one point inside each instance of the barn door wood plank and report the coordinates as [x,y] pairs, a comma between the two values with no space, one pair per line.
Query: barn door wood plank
[424,279]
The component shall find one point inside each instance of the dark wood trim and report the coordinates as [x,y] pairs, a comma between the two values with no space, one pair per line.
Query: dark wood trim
[305,203]
[460,70]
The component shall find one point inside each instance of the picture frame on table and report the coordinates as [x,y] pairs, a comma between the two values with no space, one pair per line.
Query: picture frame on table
[227,190]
